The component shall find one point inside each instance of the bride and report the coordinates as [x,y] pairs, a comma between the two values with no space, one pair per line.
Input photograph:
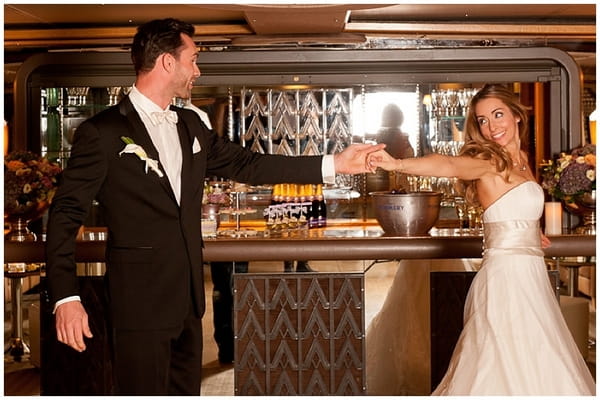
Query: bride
[514,340]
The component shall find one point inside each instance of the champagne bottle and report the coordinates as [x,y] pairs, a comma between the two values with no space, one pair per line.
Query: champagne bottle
[305,201]
[53,125]
[319,211]
[294,206]
[274,208]
[312,217]
[321,208]
[285,203]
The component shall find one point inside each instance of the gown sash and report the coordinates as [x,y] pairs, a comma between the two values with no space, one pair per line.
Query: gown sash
[517,237]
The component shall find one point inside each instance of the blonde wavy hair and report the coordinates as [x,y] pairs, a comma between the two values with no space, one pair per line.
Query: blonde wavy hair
[477,146]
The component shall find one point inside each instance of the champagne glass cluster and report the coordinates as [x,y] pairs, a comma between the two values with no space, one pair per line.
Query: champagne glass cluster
[113,94]
[451,102]
[469,217]
[449,108]
[77,96]
[445,185]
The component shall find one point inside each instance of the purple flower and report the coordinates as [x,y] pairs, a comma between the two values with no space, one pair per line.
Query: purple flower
[573,179]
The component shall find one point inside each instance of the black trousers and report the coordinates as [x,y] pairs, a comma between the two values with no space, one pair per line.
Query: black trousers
[159,362]
[222,278]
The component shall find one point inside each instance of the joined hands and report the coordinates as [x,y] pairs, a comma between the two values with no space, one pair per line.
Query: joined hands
[354,159]
[381,159]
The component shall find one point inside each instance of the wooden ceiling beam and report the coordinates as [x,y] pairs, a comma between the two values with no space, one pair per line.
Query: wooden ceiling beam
[450,29]
[21,38]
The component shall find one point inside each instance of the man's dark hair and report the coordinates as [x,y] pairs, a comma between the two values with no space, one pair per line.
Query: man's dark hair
[156,37]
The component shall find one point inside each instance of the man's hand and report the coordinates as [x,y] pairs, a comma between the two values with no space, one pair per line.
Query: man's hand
[72,325]
[353,160]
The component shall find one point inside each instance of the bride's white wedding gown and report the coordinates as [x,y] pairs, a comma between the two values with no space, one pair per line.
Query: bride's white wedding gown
[515,340]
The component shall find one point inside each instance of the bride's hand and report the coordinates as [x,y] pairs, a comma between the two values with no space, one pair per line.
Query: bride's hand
[545,241]
[381,159]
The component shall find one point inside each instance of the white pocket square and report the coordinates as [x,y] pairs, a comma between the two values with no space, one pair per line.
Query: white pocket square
[196,146]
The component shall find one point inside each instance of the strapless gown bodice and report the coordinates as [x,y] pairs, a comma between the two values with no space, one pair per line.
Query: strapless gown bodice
[511,223]
[525,201]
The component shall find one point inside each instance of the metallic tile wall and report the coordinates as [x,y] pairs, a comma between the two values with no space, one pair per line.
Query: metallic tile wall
[299,334]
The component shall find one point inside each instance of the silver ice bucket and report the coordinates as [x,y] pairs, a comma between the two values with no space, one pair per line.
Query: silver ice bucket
[406,214]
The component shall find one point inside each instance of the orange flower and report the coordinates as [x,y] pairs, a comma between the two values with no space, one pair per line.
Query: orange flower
[28,180]
[14,165]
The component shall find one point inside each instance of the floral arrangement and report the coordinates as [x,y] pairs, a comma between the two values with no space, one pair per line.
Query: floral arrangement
[30,182]
[571,175]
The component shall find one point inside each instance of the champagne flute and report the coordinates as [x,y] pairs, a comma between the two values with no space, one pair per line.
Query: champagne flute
[475,223]
[461,211]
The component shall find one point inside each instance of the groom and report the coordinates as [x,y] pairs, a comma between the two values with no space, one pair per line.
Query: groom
[145,164]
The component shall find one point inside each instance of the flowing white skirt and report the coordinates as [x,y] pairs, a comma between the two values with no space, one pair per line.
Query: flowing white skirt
[515,340]
[398,338]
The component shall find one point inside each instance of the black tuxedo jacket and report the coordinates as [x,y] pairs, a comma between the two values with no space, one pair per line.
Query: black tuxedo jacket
[154,246]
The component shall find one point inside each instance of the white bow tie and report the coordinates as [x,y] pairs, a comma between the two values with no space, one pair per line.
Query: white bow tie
[158,117]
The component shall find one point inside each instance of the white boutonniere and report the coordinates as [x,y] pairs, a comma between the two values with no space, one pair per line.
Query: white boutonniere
[131,147]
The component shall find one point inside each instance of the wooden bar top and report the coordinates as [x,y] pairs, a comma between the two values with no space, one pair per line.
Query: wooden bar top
[350,242]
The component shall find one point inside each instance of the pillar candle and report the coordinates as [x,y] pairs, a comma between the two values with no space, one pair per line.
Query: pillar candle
[6,135]
[592,120]
[553,217]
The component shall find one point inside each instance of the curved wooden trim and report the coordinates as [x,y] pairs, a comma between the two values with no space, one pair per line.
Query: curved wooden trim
[364,248]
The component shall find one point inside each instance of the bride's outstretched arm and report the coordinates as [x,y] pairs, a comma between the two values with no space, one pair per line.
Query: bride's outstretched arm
[462,167]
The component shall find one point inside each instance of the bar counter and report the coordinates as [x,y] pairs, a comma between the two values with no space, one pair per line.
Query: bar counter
[89,373]
[364,241]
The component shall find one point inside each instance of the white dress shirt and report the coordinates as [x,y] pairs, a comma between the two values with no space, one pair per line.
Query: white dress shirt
[164,137]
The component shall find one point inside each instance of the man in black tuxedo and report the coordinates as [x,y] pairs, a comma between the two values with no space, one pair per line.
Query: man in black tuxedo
[145,164]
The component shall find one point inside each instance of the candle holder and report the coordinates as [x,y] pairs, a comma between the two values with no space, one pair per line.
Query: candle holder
[585,208]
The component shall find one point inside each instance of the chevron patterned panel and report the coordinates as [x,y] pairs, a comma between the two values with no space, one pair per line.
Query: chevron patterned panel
[299,334]
[296,121]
